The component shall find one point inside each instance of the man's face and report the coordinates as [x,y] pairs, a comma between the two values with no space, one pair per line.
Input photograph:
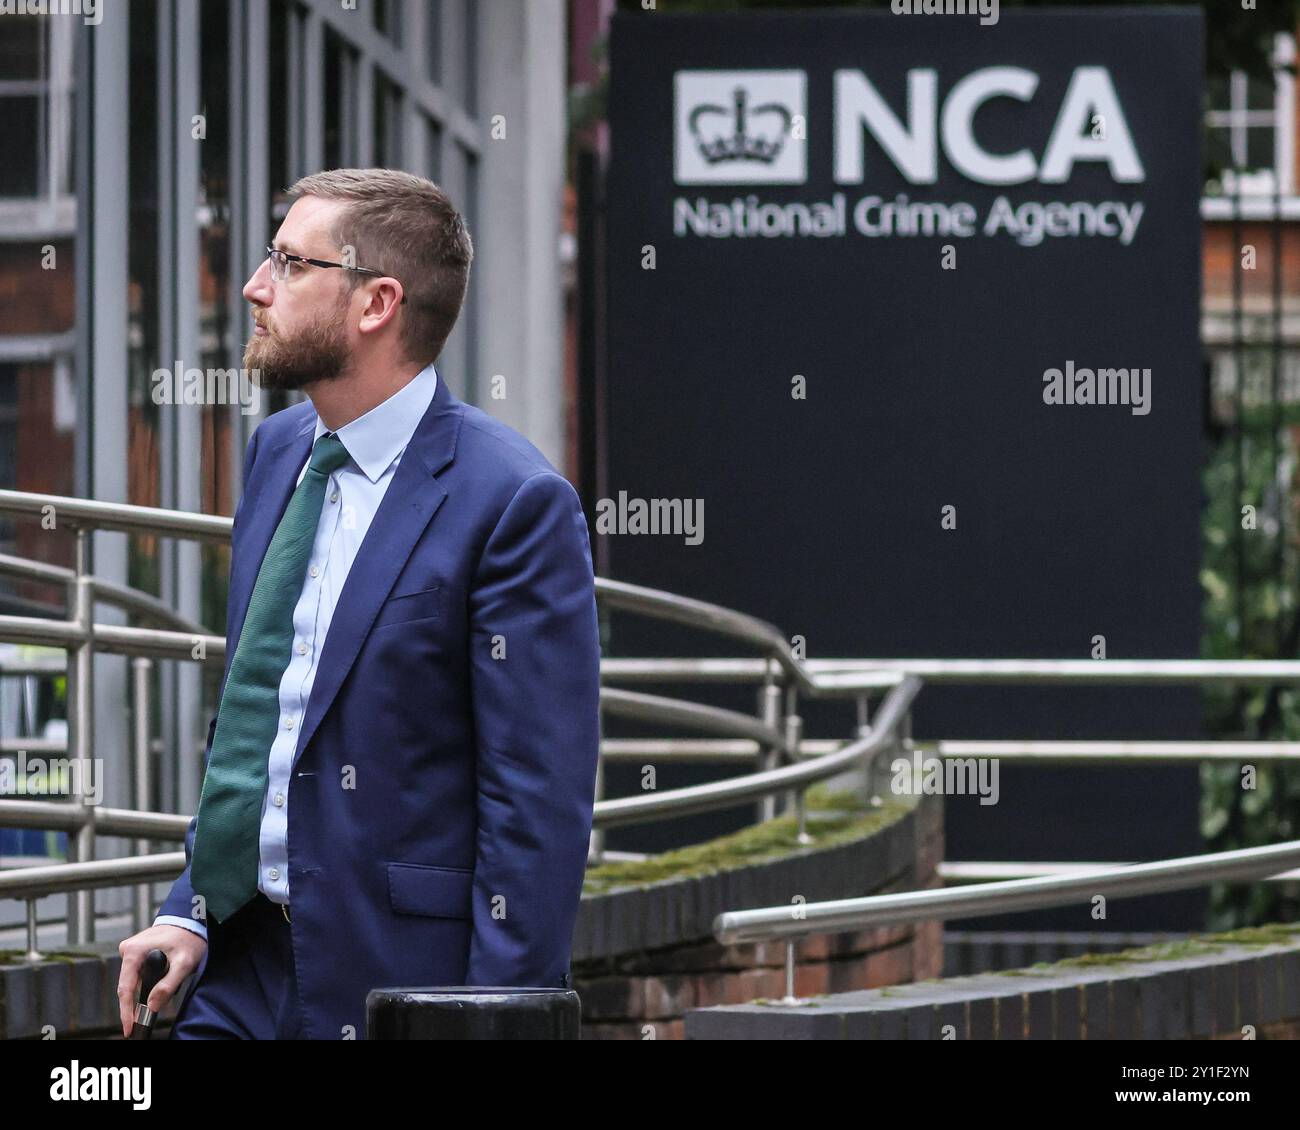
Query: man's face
[301,331]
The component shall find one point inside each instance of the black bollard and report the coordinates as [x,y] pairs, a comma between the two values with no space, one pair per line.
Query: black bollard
[473,1012]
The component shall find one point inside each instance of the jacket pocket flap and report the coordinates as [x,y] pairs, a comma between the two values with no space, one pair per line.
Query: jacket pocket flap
[439,892]
[401,607]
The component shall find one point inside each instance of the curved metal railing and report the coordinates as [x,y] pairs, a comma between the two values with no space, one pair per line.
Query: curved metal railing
[784,762]
[791,923]
[771,738]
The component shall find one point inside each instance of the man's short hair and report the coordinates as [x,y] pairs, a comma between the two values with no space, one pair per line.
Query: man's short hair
[406,227]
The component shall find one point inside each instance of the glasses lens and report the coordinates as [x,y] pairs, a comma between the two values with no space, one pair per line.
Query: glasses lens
[279,265]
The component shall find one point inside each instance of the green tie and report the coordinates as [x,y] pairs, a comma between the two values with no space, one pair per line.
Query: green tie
[224,860]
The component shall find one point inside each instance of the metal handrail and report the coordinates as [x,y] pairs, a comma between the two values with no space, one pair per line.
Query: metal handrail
[1128,752]
[833,673]
[734,790]
[85,513]
[832,676]
[812,677]
[842,915]
[132,600]
[32,883]
[773,737]
[89,514]
[692,715]
[61,816]
[982,871]
[791,923]
[116,639]
[712,617]
[685,801]
[775,733]
[57,878]
[1028,752]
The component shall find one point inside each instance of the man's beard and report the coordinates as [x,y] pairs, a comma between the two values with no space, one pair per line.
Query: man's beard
[317,352]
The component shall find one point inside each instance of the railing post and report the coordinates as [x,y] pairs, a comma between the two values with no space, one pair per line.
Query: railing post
[141,675]
[769,713]
[81,667]
[33,954]
[900,747]
[790,998]
[793,736]
[868,764]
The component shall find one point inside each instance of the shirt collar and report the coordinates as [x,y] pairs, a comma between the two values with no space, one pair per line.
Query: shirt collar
[381,435]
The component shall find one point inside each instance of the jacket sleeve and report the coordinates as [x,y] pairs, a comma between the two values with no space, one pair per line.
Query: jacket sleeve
[178,906]
[535,685]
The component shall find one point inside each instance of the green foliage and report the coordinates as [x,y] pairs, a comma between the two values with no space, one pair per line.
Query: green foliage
[1249,578]
[832,818]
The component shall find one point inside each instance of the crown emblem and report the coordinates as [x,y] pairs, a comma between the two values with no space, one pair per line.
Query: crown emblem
[714,145]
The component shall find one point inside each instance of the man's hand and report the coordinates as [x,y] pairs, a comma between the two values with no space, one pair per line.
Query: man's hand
[184,950]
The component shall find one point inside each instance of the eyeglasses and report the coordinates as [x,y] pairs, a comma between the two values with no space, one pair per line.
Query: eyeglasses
[282,262]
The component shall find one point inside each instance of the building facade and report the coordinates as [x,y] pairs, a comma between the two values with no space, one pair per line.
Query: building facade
[149,144]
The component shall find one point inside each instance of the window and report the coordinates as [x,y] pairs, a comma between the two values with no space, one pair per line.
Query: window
[387,123]
[9,374]
[387,15]
[36,108]
[433,40]
[1250,129]
[432,150]
[471,57]
[342,115]
[22,48]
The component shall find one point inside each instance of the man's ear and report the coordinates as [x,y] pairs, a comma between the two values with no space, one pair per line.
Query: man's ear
[383,300]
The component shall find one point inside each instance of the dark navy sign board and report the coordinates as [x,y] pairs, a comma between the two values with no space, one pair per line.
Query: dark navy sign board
[1057,156]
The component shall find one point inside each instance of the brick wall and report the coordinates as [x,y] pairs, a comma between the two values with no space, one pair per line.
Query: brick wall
[638,992]
[1226,990]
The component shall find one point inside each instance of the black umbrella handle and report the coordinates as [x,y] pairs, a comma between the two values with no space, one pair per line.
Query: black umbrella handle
[153,971]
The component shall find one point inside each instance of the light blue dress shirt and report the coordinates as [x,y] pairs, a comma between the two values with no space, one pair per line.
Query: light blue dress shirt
[375,443]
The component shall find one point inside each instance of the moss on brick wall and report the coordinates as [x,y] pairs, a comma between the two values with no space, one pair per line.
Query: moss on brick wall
[832,818]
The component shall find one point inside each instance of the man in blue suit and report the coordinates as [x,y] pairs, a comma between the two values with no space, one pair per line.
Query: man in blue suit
[400,775]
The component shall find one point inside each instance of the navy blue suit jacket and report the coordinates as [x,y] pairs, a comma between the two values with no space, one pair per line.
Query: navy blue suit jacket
[459,688]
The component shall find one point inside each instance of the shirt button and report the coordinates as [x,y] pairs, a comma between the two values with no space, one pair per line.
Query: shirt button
[288,723]
[334,497]
[302,649]
[274,873]
[315,572]
[279,800]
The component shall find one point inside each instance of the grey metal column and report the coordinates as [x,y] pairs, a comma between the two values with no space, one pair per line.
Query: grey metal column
[306,109]
[141,781]
[168,770]
[312,108]
[453,362]
[187,419]
[81,734]
[363,99]
[295,85]
[84,328]
[250,198]
[105,314]
[412,46]
[453,178]
[521,59]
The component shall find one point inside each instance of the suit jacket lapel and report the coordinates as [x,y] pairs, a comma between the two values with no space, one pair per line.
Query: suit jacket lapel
[263,509]
[408,505]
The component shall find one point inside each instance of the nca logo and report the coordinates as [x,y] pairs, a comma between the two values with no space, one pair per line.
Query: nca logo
[740,127]
[747,127]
